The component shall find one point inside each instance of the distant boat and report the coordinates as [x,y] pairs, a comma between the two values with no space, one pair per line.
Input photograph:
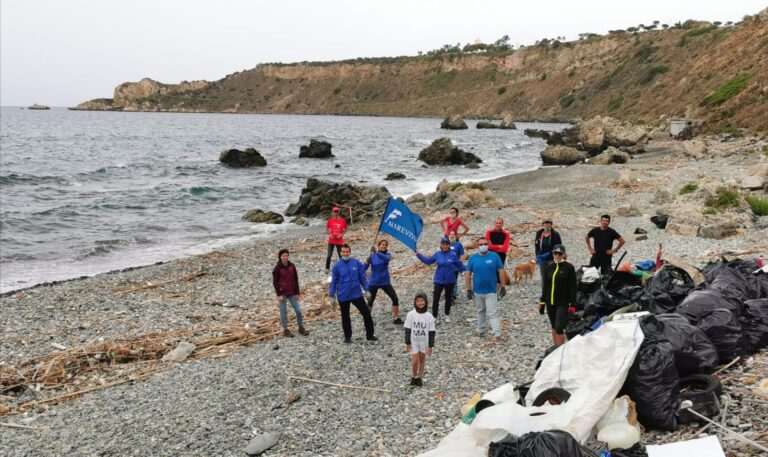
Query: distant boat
[36,106]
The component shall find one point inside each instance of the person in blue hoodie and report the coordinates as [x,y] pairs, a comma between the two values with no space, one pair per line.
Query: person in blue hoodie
[458,248]
[348,283]
[378,261]
[448,263]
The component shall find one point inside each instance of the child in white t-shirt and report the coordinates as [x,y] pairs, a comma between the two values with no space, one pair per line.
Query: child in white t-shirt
[419,336]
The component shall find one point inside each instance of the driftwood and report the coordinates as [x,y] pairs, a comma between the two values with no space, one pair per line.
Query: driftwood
[344,386]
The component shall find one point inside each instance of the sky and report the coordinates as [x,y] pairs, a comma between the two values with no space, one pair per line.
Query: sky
[61,53]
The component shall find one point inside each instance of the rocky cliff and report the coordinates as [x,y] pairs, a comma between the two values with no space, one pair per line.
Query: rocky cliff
[698,69]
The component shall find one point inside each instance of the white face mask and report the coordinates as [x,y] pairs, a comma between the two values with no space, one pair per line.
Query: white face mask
[345,257]
[483,248]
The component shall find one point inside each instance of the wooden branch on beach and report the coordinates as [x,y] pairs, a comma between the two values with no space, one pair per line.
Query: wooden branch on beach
[344,386]
[26,427]
[189,277]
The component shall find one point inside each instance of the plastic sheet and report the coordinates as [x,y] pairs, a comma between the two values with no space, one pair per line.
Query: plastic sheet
[553,443]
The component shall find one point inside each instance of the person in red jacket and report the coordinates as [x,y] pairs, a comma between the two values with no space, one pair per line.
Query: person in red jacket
[285,278]
[498,242]
[335,227]
[453,223]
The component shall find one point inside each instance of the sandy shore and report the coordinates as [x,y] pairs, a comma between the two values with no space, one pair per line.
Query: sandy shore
[212,403]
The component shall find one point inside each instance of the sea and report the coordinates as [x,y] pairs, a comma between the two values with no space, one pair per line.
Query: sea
[85,192]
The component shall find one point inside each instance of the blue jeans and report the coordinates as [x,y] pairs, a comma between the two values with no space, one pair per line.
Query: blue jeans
[487,305]
[296,309]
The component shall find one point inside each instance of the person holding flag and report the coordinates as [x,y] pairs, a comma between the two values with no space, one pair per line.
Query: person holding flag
[378,261]
[448,264]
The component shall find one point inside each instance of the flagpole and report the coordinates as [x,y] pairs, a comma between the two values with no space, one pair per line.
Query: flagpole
[378,230]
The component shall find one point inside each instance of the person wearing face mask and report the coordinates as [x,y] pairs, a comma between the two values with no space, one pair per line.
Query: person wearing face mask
[546,239]
[378,261]
[559,293]
[452,223]
[483,268]
[448,264]
[348,283]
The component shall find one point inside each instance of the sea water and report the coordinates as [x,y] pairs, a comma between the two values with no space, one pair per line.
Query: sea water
[83,192]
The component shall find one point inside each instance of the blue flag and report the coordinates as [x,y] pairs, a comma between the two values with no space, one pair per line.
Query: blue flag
[402,223]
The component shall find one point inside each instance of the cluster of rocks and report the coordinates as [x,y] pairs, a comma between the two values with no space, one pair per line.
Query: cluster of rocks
[443,152]
[265,217]
[319,197]
[236,158]
[592,138]
[453,122]
[506,124]
[394,176]
[453,194]
[317,149]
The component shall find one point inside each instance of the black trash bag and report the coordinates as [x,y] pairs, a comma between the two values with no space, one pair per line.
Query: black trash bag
[652,381]
[712,270]
[757,283]
[723,328]
[731,282]
[553,443]
[586,287]
[754,324]
[700,302]
[666,289]
[638,450]
[582,298]
[602,303]
[694,351]
[660,220]
[620,280]
[579,326]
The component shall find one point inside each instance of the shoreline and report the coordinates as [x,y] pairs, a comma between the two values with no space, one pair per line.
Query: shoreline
[214,403]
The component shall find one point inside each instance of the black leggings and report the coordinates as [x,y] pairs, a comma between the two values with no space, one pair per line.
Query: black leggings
[388,289]
[448,298]
[330,253]
[558,317]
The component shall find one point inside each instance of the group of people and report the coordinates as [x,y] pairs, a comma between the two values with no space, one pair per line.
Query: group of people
[484,281]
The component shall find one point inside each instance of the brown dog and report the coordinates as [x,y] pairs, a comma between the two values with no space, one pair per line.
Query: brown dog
[524,269]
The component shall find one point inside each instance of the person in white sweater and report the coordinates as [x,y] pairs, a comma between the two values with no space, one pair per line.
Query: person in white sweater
[419,336]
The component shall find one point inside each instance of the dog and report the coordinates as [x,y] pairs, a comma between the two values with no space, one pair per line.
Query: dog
[524,269]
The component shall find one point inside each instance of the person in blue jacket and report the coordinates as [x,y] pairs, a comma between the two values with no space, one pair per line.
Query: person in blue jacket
[347,286]
[458,248]
[448,263]
[378,261]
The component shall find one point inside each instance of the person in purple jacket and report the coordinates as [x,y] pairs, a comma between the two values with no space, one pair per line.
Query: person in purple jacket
[285,278]
[378,262]
[448,263]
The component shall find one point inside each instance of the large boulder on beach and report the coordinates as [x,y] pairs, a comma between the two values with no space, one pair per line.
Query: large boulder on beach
[454,194]
[317,149]
[619,134]
[507,123]
[592,134]
[319,197]
[443,152]
[562,155]
[265,217]
[236,158]
[609,156]
[487,125]
[756,177]
[694,149]
[453,122]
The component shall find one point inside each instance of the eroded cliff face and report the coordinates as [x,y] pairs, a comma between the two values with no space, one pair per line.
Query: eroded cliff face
[717,73]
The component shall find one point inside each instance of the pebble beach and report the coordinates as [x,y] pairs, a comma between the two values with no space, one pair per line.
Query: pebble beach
[214,403]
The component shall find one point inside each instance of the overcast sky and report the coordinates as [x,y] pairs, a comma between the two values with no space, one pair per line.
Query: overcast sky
[61,53]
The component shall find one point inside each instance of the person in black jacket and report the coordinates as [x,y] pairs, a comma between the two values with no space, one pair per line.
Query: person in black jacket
[546,239]
[559,293]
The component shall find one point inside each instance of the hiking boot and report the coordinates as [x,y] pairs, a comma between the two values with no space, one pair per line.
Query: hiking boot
[347,340]
[502,293]
[303,331]
[418,382]
[413,382]
[373,338]
[398,321]
[287,333]
[447,319]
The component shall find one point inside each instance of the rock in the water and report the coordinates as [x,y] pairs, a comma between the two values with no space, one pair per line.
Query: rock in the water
[299,221]
[562,155]
[487,125]
[317,149]
[267,217]
[472,165]
[756,176]
[261,443]
[536,133]
[507,123]
[394,176]
[319,197]
[242,159]
[180,352]
[453,122]
[443,152]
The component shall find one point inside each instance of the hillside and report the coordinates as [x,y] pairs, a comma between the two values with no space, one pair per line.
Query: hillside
[697,69]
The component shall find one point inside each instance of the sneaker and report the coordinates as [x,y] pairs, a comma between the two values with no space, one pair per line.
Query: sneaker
[418,382]
[287,333]
[303,331]
[478,334]
[398,321]
[373,338]
[496,338]
[327,271]
[447,319]
[347,340]
[413,382]
[502,293]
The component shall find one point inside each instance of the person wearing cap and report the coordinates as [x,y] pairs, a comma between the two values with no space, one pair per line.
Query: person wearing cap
[559,293]
[348,284]
[546,238]
[603,251]
[448,263]
[498,242]
[335,227]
